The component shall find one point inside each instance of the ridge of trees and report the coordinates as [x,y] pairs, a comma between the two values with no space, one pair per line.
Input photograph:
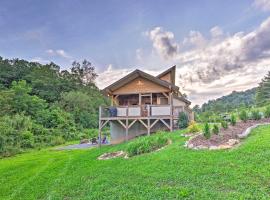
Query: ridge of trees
[41,105]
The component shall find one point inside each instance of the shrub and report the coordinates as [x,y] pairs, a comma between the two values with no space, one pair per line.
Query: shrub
[267,112]
[146,144]
[183,120]
[255,114]
[193,127]
[215,129]
[243,116]
[233,120]
[206,131]
[224,124]
[57,140]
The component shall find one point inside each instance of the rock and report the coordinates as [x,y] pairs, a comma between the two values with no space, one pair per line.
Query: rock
[224,146]
[84,141]
[232,142]
[202,147]
[248,130]
[213,148]
[116,154]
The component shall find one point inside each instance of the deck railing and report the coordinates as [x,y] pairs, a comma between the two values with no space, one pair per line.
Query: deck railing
[136,111]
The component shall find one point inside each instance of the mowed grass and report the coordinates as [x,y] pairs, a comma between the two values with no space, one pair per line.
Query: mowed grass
[172,173]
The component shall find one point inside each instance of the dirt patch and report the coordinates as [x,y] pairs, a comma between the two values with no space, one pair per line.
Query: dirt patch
[111,155]
[227,138]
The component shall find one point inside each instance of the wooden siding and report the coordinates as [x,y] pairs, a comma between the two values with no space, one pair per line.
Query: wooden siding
[140,85]
[177,102]
[166,77]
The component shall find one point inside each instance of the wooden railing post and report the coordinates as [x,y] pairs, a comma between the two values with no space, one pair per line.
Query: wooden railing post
[99,127]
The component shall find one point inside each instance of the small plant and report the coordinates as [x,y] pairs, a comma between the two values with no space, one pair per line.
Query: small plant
[224,124]
[215,129]
[233,120]
[146,144]
[243,116]
[183,120]
[255,114]
[267,112]
[193,127]
[206,131]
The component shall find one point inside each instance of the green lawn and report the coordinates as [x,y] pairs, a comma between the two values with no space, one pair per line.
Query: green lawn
[172,173]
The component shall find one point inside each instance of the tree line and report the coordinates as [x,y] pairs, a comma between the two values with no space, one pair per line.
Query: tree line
[255,97]
[42,105]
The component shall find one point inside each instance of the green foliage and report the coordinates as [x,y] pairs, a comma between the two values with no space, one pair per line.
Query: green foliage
[193,127]
[146,144]
[233,120]
[43,106]
[228,103]
[255,114]
[83,106]
[243,116]
[267,112]
[215,129]
[224,124]
[263,91]
[206,131]
[182,120]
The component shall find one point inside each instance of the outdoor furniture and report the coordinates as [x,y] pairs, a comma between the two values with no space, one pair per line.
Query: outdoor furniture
[94,140]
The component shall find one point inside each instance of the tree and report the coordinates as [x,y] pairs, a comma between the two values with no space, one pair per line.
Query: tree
[263,91]
[23,101]
[85,72]
[83,106]
[183,120]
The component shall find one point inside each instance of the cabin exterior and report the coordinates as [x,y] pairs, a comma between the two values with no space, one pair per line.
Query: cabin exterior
[142,104]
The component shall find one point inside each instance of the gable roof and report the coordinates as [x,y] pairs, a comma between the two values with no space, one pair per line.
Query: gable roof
[172,73]
[135,74]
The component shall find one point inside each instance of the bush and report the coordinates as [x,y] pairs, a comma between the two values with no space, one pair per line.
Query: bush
[57,140]
[215,129]
[255,114]
[193,127]
[206,131]
[267,112]
[233,120]
[224,124]
[146,144]
[182,120]
[243,116]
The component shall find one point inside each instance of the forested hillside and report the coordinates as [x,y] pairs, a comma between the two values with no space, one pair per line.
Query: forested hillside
[229,102]
[41,105]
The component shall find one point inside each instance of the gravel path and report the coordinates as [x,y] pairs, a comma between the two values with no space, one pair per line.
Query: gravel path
[77,146]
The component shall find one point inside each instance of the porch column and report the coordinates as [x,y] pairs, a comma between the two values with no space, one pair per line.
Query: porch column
[99,128]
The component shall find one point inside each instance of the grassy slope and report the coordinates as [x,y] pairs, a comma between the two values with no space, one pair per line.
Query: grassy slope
[174,172]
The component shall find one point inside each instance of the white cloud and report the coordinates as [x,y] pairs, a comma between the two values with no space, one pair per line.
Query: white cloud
[40,60]
[110,75]
[262,4]
[58,52]
[195,38]
[162,42]
[216,32]
[232,62]
[139,55]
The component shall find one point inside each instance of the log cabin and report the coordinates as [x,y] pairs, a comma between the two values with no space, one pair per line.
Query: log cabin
[142,104]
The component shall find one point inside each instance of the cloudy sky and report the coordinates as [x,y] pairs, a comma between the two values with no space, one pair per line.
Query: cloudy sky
[217,45]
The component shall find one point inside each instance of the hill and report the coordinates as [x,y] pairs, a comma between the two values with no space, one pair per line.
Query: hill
[171,173]
[229,102]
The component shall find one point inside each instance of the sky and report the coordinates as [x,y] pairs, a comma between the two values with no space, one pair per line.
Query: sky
[218,46]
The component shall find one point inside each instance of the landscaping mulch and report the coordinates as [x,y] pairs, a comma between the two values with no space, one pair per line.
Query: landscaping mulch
[225,134]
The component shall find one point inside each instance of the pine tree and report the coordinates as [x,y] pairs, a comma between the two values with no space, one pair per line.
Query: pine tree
[263,91]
